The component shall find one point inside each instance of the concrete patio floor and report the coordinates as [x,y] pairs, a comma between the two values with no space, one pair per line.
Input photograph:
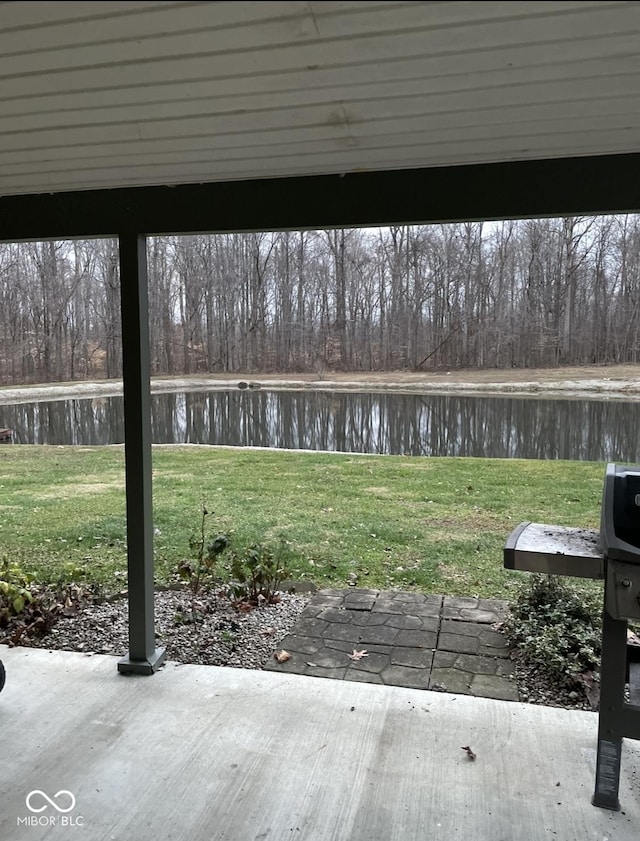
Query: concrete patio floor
[203,753]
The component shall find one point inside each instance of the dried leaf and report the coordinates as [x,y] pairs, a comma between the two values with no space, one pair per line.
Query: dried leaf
[282,656]
[470,754]
[358,655]
[268,632]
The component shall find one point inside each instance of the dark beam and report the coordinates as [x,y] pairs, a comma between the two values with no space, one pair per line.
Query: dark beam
[520,189]
[143,657]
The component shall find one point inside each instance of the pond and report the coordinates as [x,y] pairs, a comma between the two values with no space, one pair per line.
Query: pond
[359,422]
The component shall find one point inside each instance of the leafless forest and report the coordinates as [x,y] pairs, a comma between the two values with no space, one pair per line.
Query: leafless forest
[527,293]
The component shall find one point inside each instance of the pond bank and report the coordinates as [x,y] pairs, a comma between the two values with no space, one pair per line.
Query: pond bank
[620,382]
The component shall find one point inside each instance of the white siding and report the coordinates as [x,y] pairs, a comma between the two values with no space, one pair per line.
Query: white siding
[120,93]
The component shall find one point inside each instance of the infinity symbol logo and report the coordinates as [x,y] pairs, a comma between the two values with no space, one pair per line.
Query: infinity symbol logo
[49,802]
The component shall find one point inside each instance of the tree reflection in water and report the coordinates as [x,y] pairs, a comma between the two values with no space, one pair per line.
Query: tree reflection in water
[359,422]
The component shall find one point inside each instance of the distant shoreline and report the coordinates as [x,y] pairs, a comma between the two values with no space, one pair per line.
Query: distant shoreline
[621,382]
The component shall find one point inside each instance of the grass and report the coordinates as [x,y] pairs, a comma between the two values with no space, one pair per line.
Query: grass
[433,524]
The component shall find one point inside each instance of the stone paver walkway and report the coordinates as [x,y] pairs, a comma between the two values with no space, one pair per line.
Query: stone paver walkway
[444,643]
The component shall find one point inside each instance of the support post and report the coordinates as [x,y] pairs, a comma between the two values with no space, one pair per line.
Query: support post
[610,731]
[143,657]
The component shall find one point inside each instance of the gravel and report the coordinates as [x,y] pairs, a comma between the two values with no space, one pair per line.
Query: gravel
[227,635]
[222,636]
[534,687]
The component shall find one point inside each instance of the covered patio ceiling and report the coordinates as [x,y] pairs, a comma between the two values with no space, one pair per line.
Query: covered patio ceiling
[112,94]
[412,111]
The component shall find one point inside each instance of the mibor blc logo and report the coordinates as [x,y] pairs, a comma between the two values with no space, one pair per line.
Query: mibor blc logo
[37,795]
[50,811]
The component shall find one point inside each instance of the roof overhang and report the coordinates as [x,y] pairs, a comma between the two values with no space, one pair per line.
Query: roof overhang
[571,186]
[182,116]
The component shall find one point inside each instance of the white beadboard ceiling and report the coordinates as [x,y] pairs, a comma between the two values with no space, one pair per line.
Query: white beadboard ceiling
[110,94]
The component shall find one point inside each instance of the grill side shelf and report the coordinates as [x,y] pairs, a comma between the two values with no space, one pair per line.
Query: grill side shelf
[555,550]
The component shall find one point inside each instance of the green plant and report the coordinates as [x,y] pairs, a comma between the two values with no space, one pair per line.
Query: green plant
[29,608]
[257,573]
[15,592]
[556,629]
[25,608]
[201,574]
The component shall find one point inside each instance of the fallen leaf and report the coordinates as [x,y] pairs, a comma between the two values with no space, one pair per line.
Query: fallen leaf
[267,632]
[282,656]
[470,754]
[358,655]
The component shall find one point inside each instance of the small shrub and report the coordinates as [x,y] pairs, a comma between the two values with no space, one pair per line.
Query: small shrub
[556,629]
[201,573]
[29,609]
[257,573]
[253,575]
[15,592]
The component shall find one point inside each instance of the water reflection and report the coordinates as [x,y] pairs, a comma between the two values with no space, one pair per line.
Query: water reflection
[421,425]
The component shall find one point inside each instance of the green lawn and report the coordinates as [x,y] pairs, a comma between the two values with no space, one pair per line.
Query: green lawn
[435,524]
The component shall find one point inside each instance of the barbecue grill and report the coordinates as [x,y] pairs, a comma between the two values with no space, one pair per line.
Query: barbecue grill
[612,554]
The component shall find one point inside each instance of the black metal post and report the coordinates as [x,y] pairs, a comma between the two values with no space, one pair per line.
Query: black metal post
[143,657]
[610,730]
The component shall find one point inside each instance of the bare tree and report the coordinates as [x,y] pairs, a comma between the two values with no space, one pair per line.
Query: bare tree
[502,294]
